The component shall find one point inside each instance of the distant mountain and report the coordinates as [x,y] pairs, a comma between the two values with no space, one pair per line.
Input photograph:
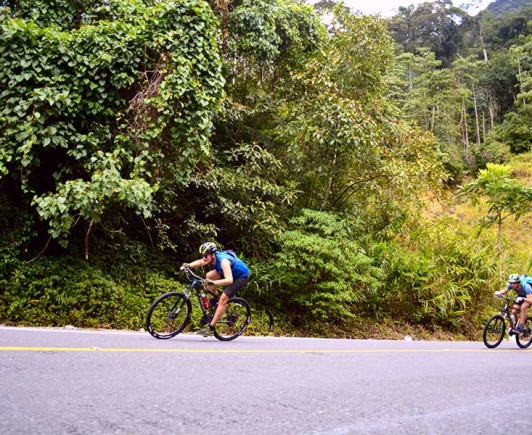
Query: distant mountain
[500,8]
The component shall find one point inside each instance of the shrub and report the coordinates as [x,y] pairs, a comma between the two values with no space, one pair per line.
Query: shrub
[69,291]
[324,271]
[440,274]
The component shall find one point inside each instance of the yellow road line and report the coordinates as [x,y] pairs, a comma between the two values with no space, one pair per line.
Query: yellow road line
[303,351]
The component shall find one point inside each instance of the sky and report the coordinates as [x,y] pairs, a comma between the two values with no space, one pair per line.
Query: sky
[388,8]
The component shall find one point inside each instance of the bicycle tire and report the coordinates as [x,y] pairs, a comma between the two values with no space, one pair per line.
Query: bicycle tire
[262,322]
[525,339]
[270,317]
[493,332]
[168,315]
[234,321]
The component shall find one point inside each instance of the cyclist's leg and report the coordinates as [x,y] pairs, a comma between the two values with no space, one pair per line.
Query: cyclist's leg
[516,312]
[212,275]
[524,310]
[229,292]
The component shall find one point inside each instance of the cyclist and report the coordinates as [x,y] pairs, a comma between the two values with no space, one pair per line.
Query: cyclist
[523,300]
[227,270]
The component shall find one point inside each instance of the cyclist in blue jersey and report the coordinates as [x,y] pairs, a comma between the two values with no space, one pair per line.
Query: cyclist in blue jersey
[227,270]
[523,300]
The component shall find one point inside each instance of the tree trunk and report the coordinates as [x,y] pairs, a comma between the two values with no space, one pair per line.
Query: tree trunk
[520,76]
[481,37]
[499,230]
[465,135]
[483,125]
[492,113]
[477,126]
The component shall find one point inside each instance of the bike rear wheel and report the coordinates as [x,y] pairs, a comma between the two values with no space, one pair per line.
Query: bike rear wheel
[262,322]
[234,321]
[525,339]
[168,315]
[494,330]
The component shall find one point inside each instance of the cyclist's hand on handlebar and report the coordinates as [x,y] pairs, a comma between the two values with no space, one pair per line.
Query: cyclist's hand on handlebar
[184,266]
[209,282]
[498,294]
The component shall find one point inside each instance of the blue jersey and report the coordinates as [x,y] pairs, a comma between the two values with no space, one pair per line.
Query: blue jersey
[526,289]
[238,267]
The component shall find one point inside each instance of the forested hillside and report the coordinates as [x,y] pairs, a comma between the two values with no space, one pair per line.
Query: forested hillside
[375,174]
[502,8]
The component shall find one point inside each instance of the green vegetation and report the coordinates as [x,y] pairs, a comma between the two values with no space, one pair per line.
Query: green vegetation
[333,157]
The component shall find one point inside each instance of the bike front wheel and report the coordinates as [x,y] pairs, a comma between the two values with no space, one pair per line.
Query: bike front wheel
[168,315]
[525,339]
[234,321]
[494,330]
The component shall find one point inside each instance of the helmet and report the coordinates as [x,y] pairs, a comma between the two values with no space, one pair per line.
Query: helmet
[208,248]
[514,277]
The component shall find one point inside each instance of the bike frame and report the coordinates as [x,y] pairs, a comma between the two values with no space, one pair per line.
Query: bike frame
[196,286]
[506,311]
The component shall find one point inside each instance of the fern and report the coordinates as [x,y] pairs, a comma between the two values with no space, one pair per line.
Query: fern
[324,271]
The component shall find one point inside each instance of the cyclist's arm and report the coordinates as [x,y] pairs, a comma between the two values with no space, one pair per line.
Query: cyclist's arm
[197,263]
[502,291]
[228,274]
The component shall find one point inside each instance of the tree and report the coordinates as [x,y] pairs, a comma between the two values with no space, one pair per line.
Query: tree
[339,136]
[431,25]
[102,102]
[241,195]
[515,130]
[505,195]
[428,96]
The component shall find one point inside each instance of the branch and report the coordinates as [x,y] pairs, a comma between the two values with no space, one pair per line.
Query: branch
[42,252]
[358,182]
[147,230]
[87,240]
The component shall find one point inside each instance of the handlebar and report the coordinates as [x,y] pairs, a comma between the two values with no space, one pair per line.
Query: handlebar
[191,276]
[506,298]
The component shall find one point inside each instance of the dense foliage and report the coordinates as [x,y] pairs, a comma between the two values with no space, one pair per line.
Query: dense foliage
[96,97]
[132,131]
[464,79]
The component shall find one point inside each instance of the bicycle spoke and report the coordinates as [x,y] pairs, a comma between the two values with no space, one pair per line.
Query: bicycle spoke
[494,330]
[168,315]
[234,321]
[525,339]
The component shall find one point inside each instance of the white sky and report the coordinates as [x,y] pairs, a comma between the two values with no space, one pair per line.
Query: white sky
[388,8]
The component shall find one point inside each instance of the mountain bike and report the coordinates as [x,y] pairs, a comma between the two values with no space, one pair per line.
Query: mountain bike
[170,313]
[495,327]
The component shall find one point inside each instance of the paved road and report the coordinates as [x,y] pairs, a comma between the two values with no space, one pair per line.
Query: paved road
[89,382]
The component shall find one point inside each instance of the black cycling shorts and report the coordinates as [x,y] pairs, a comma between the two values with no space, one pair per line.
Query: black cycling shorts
[239,283]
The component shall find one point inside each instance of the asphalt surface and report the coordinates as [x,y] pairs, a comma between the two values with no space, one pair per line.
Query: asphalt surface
[56,381]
